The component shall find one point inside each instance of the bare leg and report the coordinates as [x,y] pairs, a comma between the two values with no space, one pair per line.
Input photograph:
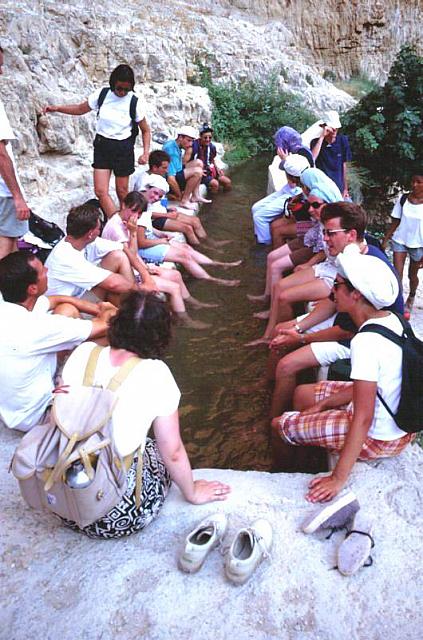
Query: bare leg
[413,276]
[101,188]
[286,378]
[7,245]
[282,255]
[122,183]
[186,229]
[399,262]
[225,182]
[213,186]
[193,267]
[201,258]
[193,173]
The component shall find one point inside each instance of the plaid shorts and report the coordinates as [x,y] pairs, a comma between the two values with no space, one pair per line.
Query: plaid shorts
[328,429]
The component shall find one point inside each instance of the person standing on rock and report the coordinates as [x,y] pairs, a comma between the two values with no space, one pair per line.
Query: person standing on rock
[331,152]
[119,115]
[14,211]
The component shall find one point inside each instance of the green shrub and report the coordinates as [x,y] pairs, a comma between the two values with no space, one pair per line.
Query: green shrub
[247,114]
[385,127]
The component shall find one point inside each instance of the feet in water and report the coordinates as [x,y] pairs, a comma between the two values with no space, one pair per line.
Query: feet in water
[263,298]
[227,265]
[197,304]
[258,342]
[185,320]
[201,199]
[188,205]
[225,283]
[262,315]
[217,243]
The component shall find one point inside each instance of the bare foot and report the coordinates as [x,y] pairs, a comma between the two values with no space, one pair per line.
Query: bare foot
[262,315]
[188,205]
[263,298]
[184,320]
[201,199]
[197,304]
[226,283]
[227,265]
[218,243]
[258,342]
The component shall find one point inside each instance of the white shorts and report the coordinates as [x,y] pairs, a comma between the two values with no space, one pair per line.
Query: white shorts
[328,352]
[326,271]
[325,324]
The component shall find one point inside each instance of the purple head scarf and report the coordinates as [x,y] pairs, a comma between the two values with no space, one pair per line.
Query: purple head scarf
[288,138]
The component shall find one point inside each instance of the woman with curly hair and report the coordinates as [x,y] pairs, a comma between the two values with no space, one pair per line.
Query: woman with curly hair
[148,396]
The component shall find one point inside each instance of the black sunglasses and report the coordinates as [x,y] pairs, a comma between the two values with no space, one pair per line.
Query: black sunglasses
[316,205]
[347,283]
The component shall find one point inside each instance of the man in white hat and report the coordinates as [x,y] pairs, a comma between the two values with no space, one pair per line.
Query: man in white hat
[184,180]
[331,151]
[348,417]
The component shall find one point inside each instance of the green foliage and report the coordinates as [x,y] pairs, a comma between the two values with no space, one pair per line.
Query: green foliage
[247,114]
[385,127]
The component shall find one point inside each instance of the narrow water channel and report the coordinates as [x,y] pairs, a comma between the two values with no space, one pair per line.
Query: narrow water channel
[222,425]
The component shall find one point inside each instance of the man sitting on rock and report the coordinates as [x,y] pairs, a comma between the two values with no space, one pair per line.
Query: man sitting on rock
[32,332]
[82,261]
[331,152]
[184,180]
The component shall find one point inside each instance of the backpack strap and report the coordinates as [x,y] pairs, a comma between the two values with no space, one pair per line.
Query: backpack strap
[124,371]
[403,200]
[133,115]
[101,98]
[88,380]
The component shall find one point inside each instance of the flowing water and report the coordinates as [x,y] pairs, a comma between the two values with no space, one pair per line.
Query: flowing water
[222,424]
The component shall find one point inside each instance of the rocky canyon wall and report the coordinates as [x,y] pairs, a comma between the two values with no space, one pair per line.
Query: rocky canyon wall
[58,53]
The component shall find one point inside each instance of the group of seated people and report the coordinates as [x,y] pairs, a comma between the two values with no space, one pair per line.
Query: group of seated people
[106,283]
[326,278]
[321,255]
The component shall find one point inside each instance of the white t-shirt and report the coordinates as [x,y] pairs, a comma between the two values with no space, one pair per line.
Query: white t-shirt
[145,220]
[6,135]
[410,230]
[29,342]
[116,230]
[115,119]
[140,179]
[149,391]
[72,272]
[376,359]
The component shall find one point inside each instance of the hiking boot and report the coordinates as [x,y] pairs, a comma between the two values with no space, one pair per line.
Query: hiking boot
[335,514]
[354,552]
[249,547]
[205,537]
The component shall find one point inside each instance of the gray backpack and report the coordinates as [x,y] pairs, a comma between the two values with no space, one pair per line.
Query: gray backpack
[71,466]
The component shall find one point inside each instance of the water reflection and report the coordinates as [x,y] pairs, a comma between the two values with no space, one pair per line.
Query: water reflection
[222,426]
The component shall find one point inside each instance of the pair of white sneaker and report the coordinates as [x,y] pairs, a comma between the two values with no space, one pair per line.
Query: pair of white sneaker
[249,547]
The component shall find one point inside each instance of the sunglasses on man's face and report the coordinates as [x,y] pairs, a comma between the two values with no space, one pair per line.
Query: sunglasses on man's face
[347,283]
[332,232]
[316,205]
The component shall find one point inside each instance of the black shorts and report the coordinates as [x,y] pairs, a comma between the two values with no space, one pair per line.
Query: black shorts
[159,223]
[116,155]
[180,179]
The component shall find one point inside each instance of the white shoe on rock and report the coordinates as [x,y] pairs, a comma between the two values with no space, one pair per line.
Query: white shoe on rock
[201,540]
[249,547]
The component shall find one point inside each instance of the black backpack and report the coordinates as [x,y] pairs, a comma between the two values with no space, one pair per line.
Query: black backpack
[409,415]
[47,231]
[132,110]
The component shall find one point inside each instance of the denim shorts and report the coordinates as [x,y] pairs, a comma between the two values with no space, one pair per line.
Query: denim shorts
[415,253]
[156,253]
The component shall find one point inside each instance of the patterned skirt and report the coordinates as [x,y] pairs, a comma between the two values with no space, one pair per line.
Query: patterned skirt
[125,518]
